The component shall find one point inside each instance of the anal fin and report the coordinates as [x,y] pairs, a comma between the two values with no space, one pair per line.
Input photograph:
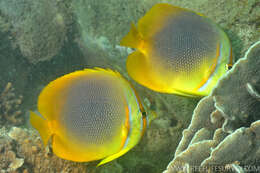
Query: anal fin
[114,156]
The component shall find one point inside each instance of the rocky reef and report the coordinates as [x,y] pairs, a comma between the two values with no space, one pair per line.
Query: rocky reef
[224,133]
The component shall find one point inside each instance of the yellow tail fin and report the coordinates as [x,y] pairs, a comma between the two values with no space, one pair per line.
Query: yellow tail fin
[41,125]
[132,39]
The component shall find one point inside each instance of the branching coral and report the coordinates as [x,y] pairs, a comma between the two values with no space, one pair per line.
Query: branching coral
[224,133]
[10,106]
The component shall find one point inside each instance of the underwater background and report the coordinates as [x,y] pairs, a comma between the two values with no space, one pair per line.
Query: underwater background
[45,39]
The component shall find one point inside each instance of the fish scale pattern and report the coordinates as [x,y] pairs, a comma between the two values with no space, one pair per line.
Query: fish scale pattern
[185,43]
[95,111]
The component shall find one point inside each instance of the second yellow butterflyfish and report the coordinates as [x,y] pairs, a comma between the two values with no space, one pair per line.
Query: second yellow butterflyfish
[178,51]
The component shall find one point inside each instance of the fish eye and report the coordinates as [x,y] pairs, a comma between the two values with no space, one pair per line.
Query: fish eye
[144,114]
[228,66]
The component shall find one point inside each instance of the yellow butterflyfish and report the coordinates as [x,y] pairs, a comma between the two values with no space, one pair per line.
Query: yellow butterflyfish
[178,51]
[90,115]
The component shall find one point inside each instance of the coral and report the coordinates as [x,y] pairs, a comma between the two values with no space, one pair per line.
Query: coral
[240,109]
[8,158]
[225,128]
[22,151]
[38,28]
[10,112]
[105,20]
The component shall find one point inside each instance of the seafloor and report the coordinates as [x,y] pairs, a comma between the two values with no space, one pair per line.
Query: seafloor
[44,39]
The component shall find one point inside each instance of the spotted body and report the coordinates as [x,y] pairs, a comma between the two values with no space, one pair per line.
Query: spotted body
[91,114]
[178,51]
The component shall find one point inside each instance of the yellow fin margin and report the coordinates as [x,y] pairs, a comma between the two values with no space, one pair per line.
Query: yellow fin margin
[113,157]
[152,22]
[132,39]
[41,126]
[98,69]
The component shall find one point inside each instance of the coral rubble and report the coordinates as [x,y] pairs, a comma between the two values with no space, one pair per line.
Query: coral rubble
[10,112]
[225,128]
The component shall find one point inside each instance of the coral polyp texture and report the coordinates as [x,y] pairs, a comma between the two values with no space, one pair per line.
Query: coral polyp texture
[10,112]
[224,133]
